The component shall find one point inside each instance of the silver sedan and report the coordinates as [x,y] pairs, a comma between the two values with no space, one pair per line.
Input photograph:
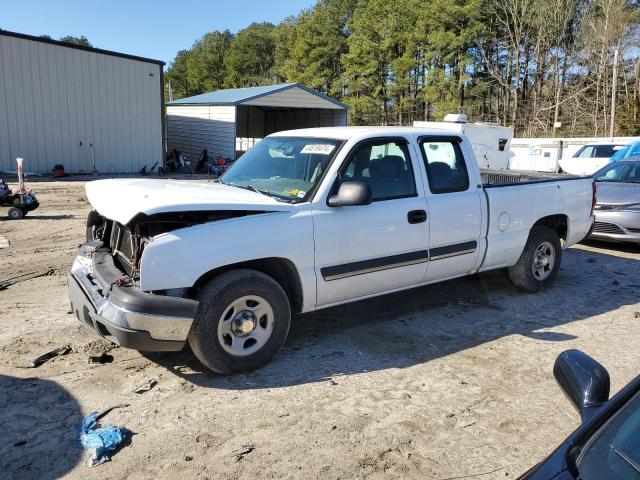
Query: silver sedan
[618,202]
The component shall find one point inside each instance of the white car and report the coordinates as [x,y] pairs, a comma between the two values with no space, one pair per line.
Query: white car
[304,220]
[590,158]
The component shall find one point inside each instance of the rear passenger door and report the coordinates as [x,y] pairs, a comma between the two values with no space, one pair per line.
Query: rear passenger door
[455,208]
[367,249]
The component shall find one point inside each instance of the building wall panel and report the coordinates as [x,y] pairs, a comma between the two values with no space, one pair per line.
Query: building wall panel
[191,129]
[58,104]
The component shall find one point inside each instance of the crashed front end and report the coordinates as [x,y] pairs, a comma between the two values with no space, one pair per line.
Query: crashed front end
[104,288]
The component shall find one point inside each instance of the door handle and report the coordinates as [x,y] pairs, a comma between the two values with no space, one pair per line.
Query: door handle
[417,216]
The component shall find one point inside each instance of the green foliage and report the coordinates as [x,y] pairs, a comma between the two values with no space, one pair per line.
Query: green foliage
[527,63]
[82,40]
[250,58]
[205,63]
[309,47]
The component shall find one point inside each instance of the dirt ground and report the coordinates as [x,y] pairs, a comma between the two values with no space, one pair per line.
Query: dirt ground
[442,382]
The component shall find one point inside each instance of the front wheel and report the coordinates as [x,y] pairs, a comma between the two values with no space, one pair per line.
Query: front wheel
[15,213]
[539,262]
[242,321]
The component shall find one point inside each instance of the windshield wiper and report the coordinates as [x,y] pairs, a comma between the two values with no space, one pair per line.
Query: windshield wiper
[257,190]
[251,188]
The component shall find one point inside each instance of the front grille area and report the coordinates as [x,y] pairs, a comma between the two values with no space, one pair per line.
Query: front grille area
[604,227]
[121,243]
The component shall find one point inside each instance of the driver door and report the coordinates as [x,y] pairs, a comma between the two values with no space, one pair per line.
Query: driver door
[368,249]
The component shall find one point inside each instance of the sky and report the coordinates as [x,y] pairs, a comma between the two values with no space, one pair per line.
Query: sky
[154,29]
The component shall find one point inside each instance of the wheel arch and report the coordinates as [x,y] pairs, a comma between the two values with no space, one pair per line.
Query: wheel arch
[559,223]
[282,270]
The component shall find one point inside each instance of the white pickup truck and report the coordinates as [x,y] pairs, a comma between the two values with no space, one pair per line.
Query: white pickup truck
[309,219]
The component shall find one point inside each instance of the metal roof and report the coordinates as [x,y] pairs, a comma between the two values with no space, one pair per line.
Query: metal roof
[59,43]
[237,96]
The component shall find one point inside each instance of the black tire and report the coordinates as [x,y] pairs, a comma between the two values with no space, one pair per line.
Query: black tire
[522,273]
[215,299]
[15,213]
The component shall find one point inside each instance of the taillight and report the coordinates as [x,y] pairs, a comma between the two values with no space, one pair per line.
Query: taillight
[593,197]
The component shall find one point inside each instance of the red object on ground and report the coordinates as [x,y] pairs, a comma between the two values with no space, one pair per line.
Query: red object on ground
[58,171]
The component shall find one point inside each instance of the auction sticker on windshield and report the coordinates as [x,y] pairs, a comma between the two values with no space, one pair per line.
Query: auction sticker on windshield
[317,148]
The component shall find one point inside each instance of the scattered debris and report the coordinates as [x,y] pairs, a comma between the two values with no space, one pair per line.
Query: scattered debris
[324,470]
[146,386]
[104,358]
[332,382]
[473,475]
[4,243]
[188,458]
[20,443]
[58,352]
[25,276]
[107,410]
[636,314]
[246,449]
[101,442]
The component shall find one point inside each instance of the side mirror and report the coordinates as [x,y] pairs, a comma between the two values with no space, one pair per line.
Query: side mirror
[584,381]
[351,194]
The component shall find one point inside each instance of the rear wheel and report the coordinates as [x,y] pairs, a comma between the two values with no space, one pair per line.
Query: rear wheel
[242,321]
[15,213]
[539,262]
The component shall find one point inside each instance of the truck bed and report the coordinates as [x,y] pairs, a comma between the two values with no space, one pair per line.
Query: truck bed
[500,178]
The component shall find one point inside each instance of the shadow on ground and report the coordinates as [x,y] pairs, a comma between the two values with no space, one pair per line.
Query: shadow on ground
[415,326]
[40,426]
[618,246]
[47,217]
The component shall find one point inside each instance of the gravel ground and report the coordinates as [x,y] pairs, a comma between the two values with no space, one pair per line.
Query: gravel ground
[448,381]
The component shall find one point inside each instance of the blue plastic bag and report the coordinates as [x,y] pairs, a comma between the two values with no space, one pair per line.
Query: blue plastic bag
[100,441]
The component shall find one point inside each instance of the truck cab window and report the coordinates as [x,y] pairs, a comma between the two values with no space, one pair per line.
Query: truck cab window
[385,166]
[446,170]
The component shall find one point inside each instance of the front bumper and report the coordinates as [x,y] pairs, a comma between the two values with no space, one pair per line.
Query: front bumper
[617,226]
[125,315]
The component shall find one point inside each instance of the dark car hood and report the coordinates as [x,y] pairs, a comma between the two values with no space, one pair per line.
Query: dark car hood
[615,193]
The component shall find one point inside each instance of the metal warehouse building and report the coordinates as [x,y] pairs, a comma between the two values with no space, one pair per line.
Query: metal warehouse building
[73,105]
[227,122]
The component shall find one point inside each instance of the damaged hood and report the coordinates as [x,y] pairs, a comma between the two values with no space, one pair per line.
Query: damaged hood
[122,199]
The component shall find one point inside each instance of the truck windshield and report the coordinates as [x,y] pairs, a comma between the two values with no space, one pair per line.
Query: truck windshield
[287,168]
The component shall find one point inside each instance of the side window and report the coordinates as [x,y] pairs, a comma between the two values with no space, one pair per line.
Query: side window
[603,151]
[585,152]
[446,169]
[385,166]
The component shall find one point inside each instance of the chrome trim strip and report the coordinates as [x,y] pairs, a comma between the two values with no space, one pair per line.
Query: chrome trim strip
[361,267]
[374,269]
[453,254]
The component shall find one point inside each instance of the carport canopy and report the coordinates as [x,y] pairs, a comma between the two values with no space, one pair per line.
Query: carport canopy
[260,111]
